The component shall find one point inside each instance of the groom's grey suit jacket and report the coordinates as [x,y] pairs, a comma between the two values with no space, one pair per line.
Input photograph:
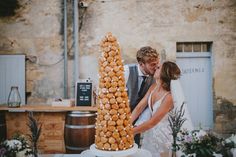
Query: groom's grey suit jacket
[132,86]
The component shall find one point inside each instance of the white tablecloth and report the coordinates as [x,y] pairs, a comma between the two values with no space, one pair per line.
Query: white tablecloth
[60,155]
[139,153]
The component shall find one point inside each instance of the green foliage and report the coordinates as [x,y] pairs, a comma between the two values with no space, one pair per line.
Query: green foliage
[176,121]
[226,145]
[18,143]
[35,130]
[199,142]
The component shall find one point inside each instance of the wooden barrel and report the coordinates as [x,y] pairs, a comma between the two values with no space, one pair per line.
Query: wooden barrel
[79,131]
[3,128]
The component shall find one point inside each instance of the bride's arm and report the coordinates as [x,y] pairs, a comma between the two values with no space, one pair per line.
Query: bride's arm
[165,107]
[141,105]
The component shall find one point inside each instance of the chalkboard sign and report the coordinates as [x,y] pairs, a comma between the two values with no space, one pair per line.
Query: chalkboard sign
[83,93]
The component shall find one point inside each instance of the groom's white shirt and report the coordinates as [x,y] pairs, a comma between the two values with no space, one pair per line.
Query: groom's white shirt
[140,74]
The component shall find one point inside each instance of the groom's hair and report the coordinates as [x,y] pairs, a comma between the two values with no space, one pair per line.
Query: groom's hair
[147,54]
[169,71]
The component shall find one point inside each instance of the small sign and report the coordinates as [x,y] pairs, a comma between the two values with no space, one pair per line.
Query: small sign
[83,93]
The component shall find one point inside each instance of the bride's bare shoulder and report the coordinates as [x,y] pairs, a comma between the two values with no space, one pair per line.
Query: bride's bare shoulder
[168,99]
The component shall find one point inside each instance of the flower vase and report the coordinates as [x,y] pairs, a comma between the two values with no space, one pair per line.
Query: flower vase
[14,99]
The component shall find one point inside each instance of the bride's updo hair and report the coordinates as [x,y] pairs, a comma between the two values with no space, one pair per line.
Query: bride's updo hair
[169,71]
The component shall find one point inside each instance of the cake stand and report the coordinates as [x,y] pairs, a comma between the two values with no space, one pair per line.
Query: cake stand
[94,152]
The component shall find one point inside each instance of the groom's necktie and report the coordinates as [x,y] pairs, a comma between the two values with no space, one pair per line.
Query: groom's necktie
[142,85]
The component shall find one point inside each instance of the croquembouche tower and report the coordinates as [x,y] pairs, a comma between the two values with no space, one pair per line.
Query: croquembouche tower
[113,125]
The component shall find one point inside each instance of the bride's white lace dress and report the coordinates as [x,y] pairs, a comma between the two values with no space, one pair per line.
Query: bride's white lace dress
[157,139]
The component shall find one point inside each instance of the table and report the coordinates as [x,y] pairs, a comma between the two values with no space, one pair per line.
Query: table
[61,155]
[87,153]
[139,153]
[52,119]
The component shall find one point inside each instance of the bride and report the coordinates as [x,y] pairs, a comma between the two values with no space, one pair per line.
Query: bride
[160,100]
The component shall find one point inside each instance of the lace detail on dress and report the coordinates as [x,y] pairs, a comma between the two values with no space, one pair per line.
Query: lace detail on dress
[158,139]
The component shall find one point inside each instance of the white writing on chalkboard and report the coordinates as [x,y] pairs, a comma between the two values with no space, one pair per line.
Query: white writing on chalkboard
[84,87]
[83,93]
[84,98]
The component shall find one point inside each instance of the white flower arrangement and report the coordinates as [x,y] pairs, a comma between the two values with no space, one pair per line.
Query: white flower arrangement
[200,134]
[16,147]
[24,152]
[198,142]
[206,144]
[13,144]
[232,140]
[19,145]
[228,146]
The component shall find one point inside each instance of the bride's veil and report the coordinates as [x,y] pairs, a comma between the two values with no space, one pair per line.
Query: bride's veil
[178,98]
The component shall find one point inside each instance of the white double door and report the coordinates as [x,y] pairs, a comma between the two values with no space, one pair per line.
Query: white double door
[196,80]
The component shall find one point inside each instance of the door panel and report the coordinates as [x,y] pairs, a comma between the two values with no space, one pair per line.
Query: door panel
[197,85]
[12,73]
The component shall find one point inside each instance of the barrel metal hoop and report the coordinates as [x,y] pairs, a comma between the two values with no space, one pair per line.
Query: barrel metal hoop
[77,148]
[81,115]
[79,126]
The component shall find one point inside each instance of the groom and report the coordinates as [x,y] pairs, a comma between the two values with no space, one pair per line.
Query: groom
[139,77]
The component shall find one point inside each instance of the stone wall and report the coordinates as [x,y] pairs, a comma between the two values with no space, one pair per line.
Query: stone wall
[35,30]
[163,23]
